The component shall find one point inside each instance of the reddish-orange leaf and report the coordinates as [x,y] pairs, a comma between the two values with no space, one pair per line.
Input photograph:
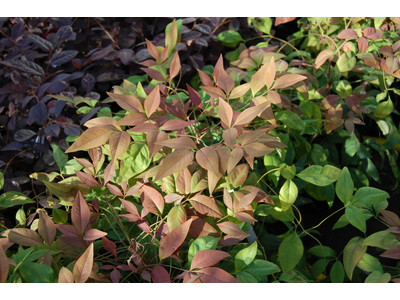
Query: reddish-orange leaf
[80,214]
[172,125]
[363,45]
[175,66]
[127,102]
[180,143]
[246,200]
[91,138]
[146,127]
[87,178]
[283,20]
[206,206]
[132,119]
[109,246]
[207,258]
[152,200]
[250,113]
[152,49]
[153,74]
[119,142]
[152,101]
[207,158]
[323,56]
[153,137]
[130,208]
[229,240]
[372,33]
[228,199]
[65,276]
[205,79]
[108,173]
[288,80]
[347,34]
[4,266]
[94,234]
[103,121]
[257,149]
[223,154]
[183,181]
[194,96]
[234,158]
[239,91]
[200,228]
[225,81]
[160,275]
[173,240]
[261,195]
[213,91]
[164,54]
[333,117]
[114,190]
[46,228]
[225,112]
[216,275]
[84,162]
[174,162]
[230,135]
[212,180]
[329,101]
[83,266]
[25,237]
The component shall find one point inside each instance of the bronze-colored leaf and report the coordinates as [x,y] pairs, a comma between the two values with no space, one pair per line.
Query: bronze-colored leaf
[160,275]
[370,59]
[199,181]
[235,157]
[261,195]
[225,112]
[174,162]
[152,200]
[175,66]
[372,33]
[229,240]
[87,178]
[176,217]
[152,50]
[109,246]
[46,228]
[91,138]
[389,218]
[393,252]
[213,91]
[164,54]
[128,102]
[270,73]
[153,137]
[244,217]
[239,91]
[392,64]
[212,180]
[153,74]
[180,143]
[223,154]
[238,175]
[83,266]
[333,117]
[347,34]
[323,56]
[207,158]
[200,228]
[205,79]
[183,181]
[363,45]
[194,96]
[216,275]
[94,234]
[230,228]
[172,125]
[172,197]
[114,190]
[230,135]
[225,81]
[119,142]
[84,162]
[80,214]
[283,20]
[246,200]
[251,136]
[108,173]
[206,206]
[131,208]
[65,276]
[103,121]
[207,258]
[288,80]
[259,79]
[145,127]
[4,266]
[132,119]
[152,101]
[228,199]
[173,240]
[257,149]
[25,237]
[250,113]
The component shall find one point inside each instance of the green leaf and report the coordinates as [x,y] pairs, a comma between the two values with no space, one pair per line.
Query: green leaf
[344,186]
[382,239]
[337,272]
[33,272]
[288,194]
[202,243]
[135,160]
[353,252]
[245,277]
[272,162]
[346,61]
[60,156]
[71,166]
[290,252]
[1,180]
[321,193]
[384,109]
[21,216]
[356,218]
[229,38]
[11,199]
[262,267]
[378,277]
[369,195]
[321,176]
[323,252]
[287,172]
[290,119]
[245,256]
[292,277]
[343,88]
[264,24]
[351,146]
[319,267]
[368,263]
[59,216]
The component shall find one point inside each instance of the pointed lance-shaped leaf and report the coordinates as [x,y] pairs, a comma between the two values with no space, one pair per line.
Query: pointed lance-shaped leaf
[239,91]
[119,142]
[238,175]
[173,240]
[363,45]
[152,50]
[207,258]
[206,206]
[225,81]
[259,79]
[205,79]
[180,143]
[288,80]
[152,200]
[250,113]
[200,228]
[216,275]
[213,91]
[174,162]
[80,214]
[109,246]
[46,228]
[127,102]
[83,266]
[230,135]
[65,276]
[372,33]
[347,34]
[207,158]
[152,101]
[87,178]
[194,96]
[171,36]
[234,158]
[153,74]
[323,56]
[132,119]
[225,112]
[4,266]
[92,138]
[131,209]
[175,66]
[172,125]
[103,121]
[108,174]
[94,234]
[25,237]
[160,275]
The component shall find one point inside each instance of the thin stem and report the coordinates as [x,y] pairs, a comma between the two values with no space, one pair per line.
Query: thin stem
[326,219]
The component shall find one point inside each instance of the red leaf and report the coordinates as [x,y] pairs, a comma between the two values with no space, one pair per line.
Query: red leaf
[87,179]
[80,214]
[194,96]
[200,228]
[347,34]
[393,252]
[207,258]
[216,275]
[3,266]
[160,275]
[152,101]
[173,240]
[362,45]
[94,234]
[152,50]
[83,266]
[109,246]
[114,190]
[175,66]
[205,79]
[46,228]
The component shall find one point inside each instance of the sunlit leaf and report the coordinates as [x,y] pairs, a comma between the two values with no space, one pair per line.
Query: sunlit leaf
[119,142]
[290,252]
[174,162]
[83,266]
[206,206]
[80,214]
[91,138]
[353,252]
[173,240]
[152,101]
